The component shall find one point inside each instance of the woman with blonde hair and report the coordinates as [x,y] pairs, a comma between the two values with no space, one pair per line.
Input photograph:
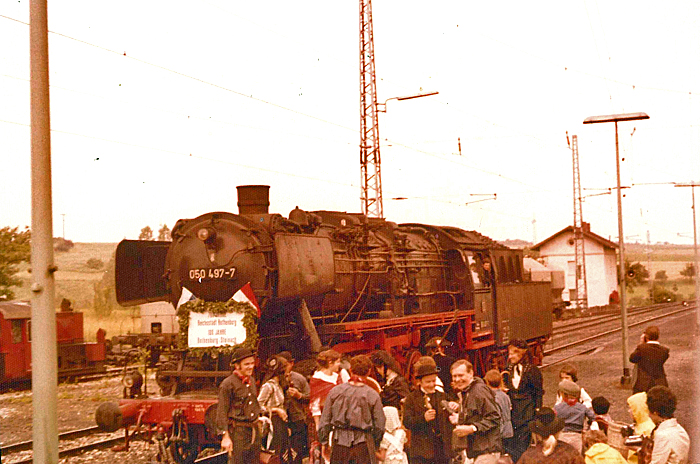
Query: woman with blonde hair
[546,447]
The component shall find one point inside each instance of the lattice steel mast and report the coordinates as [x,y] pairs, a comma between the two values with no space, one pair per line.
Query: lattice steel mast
[370,159]
[581,286]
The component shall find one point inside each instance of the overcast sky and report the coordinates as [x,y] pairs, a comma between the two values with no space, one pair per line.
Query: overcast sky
[159,109]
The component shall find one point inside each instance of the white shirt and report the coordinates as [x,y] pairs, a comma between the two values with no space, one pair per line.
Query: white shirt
[332,378]
[517,373]
[671,443]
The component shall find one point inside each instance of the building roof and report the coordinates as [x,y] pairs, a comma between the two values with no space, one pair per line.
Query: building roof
[15,310]
[586,234]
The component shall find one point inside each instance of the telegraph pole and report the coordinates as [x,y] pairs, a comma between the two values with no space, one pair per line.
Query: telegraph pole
[626,377]
[44,356]
[692,186]
[579,248]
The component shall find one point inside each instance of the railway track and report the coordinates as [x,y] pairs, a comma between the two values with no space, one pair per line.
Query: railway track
[562,329]
[591,343]
[65,451]
[7,451]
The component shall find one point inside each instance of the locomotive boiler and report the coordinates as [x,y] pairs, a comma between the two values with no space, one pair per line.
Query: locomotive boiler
[346,280]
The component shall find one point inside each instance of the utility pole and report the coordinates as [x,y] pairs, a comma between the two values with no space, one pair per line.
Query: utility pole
[653,277]
[580,253]
[692,186]
[64,225]
[626,377]
[44,353]
[370,158]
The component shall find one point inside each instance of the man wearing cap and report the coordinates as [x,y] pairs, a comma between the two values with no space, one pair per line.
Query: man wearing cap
[238,410]
[436,349]
[477,416]
[298,394]
[524,383]
[427,419]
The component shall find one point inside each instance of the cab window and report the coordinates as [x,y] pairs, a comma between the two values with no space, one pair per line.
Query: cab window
[16,331]
[474,268]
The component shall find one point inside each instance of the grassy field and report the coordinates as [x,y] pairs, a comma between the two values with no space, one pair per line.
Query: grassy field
[76,281]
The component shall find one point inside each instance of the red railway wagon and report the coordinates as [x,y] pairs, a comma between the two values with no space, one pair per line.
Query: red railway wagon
[75,356]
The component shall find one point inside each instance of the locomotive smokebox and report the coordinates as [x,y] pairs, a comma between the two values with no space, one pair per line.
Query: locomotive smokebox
[253,199]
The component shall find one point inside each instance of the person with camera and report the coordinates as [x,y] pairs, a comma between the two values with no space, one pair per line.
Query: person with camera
[671,441]
[478,418]
[649,356]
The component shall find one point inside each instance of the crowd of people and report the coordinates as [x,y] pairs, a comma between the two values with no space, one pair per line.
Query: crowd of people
[364,411]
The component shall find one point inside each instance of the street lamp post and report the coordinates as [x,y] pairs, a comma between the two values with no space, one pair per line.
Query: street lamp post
[621,272]
[692,186]
[381,107]
[370,159]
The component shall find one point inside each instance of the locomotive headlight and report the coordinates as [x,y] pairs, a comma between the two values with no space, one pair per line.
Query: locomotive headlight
[203,234]
[132,380]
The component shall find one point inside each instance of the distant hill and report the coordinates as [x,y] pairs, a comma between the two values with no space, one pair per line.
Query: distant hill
[515,243]
[659,252]
[75,280]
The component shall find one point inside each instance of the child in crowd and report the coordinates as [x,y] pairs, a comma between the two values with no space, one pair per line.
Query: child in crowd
[495,382]
[597,450]
[569,372]
[394,438]
[573,412]
[643,425]
[601,406]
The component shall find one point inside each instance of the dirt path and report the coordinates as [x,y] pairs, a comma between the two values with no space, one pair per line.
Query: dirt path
[600,373]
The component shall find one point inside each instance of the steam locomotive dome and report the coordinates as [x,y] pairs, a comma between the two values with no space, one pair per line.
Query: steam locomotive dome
[214,255]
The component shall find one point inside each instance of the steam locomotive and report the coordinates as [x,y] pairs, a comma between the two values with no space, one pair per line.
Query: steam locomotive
[346,280]
[322,278]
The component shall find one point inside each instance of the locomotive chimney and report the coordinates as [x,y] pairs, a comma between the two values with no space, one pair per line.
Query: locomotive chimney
[253,199]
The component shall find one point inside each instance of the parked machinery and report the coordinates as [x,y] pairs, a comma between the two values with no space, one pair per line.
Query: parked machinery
[332,278]
[158,334]
[75,356]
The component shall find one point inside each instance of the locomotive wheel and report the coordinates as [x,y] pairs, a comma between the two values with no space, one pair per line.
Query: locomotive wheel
[412,357]
[182,444]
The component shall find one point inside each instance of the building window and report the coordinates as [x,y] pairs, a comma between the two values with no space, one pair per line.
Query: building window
[16,331]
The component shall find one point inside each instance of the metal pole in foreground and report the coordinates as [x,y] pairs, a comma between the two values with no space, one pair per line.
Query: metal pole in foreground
[44,364]
[626,378]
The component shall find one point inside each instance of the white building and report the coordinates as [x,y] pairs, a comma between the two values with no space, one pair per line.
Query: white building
[601,263]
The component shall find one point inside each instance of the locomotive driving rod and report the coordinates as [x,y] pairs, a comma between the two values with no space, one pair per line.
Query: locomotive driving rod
[110,416]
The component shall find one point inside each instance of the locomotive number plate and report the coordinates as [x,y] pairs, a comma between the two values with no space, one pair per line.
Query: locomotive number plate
[214,273]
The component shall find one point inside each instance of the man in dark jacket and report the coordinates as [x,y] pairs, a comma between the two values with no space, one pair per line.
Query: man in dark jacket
[649,357]
[477,418]
[394,386]
[238,410]
[353,412]
[427,418]
[524,383]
